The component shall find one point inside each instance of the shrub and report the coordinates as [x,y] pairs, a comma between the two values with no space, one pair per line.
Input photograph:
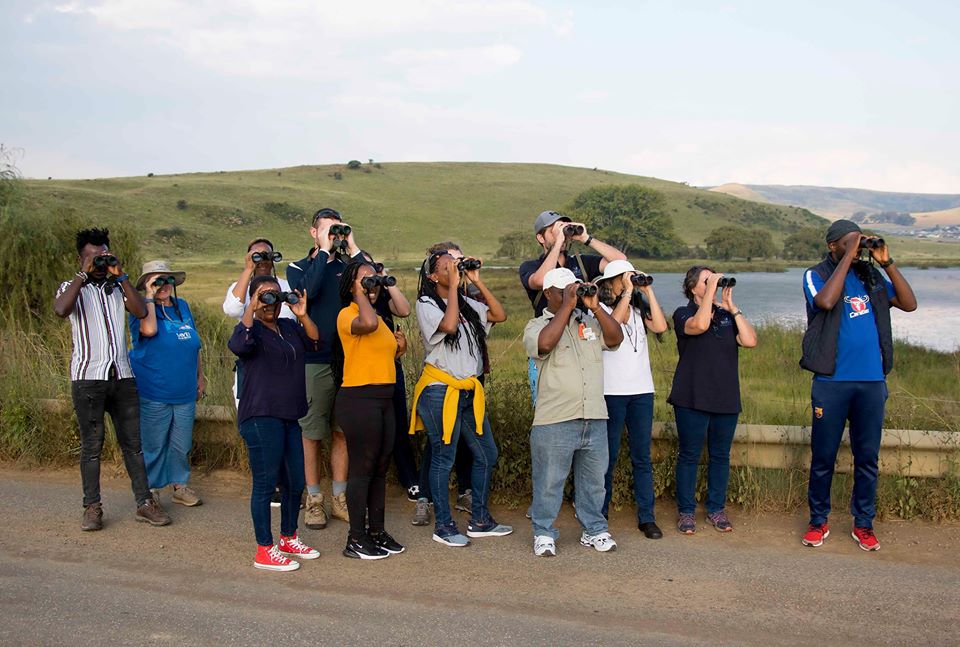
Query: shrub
[170,234]
[354,164]
[182,205]
[149,174]
[337,175]
[284,211]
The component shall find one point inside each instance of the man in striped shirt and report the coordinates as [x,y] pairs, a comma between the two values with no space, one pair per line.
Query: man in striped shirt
[100,375]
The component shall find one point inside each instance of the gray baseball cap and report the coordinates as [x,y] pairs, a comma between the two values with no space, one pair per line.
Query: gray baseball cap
[547,218]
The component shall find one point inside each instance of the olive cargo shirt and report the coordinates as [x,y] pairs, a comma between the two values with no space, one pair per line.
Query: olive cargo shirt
[570,382]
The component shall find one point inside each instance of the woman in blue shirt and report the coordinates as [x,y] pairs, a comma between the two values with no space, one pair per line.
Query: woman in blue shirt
[166,363]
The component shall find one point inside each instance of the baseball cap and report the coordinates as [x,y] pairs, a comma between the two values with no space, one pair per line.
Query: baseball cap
[327,212]
[547,218]
[841,228]
[559,277]
[616,268]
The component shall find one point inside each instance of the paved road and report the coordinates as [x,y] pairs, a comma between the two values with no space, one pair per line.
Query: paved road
[192,583]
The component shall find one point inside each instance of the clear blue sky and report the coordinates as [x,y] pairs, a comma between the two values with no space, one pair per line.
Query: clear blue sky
[832,93]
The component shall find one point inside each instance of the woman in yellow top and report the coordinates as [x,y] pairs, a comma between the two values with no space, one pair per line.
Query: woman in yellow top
[364,409]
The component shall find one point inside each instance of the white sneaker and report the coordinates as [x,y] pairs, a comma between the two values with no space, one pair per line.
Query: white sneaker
[602,542]
[543,546]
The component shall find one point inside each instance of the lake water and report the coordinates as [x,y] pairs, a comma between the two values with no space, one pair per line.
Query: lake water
[778,298]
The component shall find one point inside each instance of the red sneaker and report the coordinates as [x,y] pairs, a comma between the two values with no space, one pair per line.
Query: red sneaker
[270,559]
[815,535]
[293,547]
[865,538]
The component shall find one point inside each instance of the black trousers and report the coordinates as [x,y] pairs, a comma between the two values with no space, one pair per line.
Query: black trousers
[119,398]
[366,415]
[403,457]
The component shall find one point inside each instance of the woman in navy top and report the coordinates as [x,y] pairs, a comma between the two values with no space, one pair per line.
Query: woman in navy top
[272,400]
[706,391]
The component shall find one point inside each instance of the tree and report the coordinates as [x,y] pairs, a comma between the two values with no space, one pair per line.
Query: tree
[630,217]
[354,164]
[806,243]
[728,242]
[518,245]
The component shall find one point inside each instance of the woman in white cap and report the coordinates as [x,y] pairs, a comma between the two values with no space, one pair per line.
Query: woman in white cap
[628,382]
[166,363]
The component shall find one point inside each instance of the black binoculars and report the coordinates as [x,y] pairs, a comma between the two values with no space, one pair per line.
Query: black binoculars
[467,264]
[340,230]
[727,282]
[370,282]
[377,267]
[160,281]
[641,280]
[871,242]
[104,261]
[573,230]
[271,297]
[586,290]
[259,257]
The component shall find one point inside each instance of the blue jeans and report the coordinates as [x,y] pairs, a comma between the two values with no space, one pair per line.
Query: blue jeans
[275,449]
[552,449]
[862,403]
[482,446]
[693,426]
[637,412]
[166,436]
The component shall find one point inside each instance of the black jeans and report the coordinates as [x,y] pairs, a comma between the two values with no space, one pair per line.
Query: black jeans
[119,398]
[365,413]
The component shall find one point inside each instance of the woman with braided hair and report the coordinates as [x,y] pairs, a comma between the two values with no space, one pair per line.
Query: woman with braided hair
[448,400]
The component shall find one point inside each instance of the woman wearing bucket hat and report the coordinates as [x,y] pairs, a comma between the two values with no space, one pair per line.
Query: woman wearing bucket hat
[628,381]
[166,363]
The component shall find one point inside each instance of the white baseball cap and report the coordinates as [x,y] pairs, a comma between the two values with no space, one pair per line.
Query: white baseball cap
[559,277]
[616,268]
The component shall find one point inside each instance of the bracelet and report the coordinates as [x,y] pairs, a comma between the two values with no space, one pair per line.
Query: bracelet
[148,300]
[589,240]
[738,313]
[122,278]
[887,264]
[82,275]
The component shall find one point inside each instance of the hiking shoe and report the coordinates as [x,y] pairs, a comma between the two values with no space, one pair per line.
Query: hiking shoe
[815,535]
[450,536]
[650,530]
[544,546]
[92,517]
[464,501]
[185,496]
[865,538]
[363,547]
[385,542]
[338,508]
[489,529]
[269,558]
[720,521]
[315,517]
[275,499]
[687,524]
[151,512]
[293,547]
[413,493]
[421,514]
[602,543]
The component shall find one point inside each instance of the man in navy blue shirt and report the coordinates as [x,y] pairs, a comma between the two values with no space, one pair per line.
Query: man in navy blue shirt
[848,346]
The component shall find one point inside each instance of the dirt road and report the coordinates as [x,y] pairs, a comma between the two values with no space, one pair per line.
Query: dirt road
[192,583]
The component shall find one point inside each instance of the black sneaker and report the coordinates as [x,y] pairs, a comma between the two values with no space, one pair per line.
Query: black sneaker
[385,542]
[363,548]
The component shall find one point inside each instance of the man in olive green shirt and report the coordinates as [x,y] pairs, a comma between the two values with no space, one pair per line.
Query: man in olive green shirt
[569,423]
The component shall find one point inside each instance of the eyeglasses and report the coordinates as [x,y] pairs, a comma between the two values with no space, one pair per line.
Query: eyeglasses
[160,281]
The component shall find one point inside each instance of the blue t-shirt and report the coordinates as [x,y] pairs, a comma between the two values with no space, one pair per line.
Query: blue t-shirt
[858,344]
[165,365]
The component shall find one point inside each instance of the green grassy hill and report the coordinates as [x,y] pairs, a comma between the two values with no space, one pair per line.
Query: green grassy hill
[397,209]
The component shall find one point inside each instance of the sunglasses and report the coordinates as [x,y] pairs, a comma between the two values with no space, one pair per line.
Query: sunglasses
[160,281]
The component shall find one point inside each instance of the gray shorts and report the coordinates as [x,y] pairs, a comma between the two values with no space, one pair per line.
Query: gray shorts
[318,423]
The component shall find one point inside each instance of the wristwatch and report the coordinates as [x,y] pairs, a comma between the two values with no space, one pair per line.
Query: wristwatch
[737,313]
[122,278]
[889,262]
[589,240]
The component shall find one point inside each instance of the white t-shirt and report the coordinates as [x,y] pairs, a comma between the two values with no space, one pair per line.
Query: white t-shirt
[626,370]
[234,307]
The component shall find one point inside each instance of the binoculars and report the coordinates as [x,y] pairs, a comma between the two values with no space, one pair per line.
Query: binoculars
[160,281]
[259,257]
[871,242]
[726,282]
[370,282]
[468,264]
[641,280]
[340,230]
[573,230]
[377,267]
[586,290]
[105,261]
[271,297]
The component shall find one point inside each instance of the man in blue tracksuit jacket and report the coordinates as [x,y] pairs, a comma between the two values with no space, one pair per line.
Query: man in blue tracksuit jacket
[848,346]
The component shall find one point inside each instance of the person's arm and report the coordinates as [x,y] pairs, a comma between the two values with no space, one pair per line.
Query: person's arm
[610,327]
[903,297]
[148,325]
[243,342]
[622,310]
[398,304]
[232,305]
[607,252]
[700,322]
[828,296]
[66,299]
[201,379]
[366,321]
[656,322]
[299,309]
[132,300]
[746,335]
[239,290]
[550,335]
[535,281]
[496,313]
[451,318]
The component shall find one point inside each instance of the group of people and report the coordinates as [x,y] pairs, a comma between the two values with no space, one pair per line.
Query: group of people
[318,361]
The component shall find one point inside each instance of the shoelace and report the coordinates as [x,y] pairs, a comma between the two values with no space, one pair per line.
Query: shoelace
[276,556]
[866,532]
[296,543]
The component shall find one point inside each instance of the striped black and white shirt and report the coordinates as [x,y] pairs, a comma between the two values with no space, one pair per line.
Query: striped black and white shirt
[99,326]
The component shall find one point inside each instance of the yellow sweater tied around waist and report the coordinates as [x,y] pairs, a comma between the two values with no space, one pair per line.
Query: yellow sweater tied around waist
[451,400]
